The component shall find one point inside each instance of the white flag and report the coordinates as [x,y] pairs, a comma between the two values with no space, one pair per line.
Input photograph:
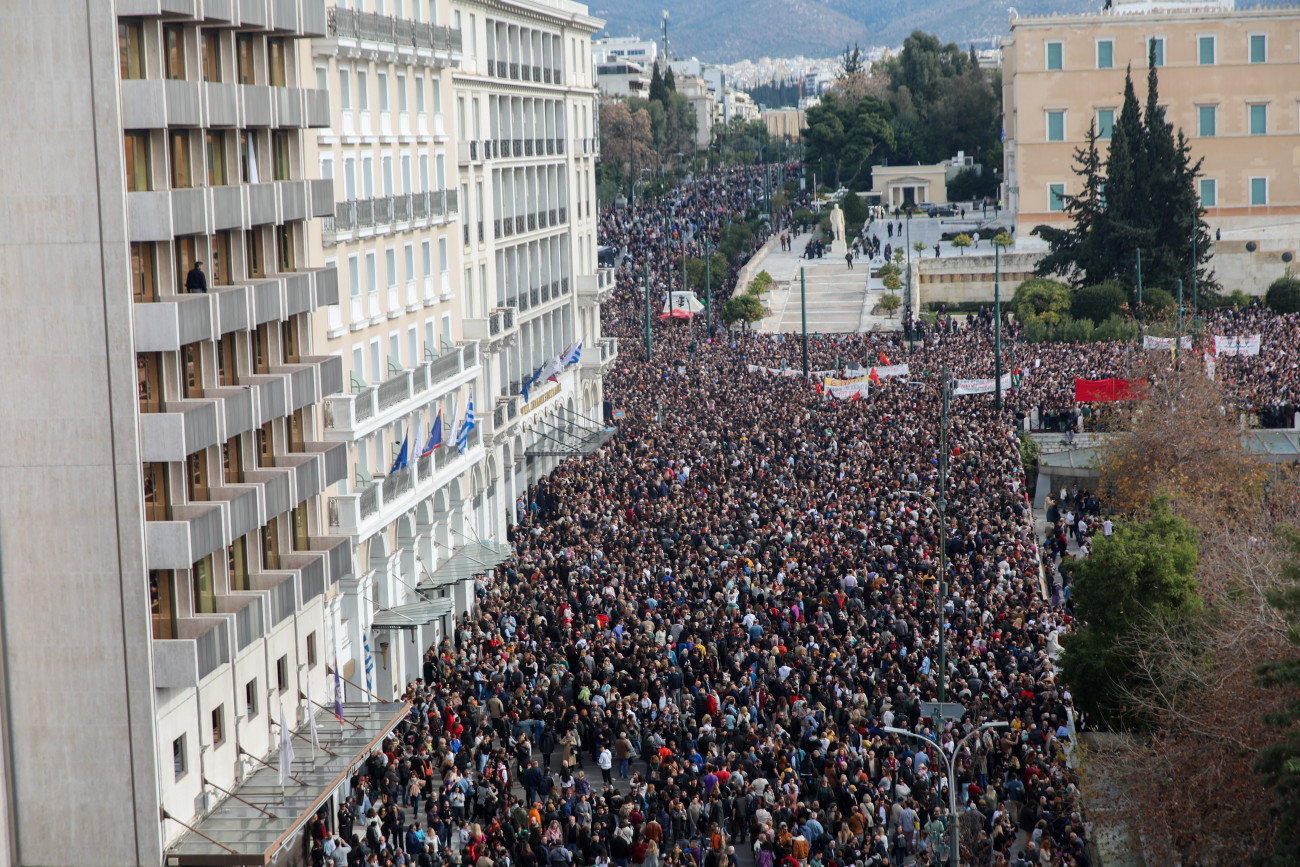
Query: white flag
[286,749]
[315,739]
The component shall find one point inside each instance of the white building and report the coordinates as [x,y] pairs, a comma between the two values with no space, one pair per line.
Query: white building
[642,51]
[619,77]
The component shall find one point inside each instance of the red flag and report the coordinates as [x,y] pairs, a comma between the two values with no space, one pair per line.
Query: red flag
[818,386]
[873,377]
[884,359]
[857,395]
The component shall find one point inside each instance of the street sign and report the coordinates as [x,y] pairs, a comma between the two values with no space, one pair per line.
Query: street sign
[948,710]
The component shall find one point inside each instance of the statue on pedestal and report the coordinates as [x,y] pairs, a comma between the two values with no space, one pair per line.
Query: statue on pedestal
[837,224]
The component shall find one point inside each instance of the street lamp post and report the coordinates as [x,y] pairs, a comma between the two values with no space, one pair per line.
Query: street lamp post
[954,856]
[907,296]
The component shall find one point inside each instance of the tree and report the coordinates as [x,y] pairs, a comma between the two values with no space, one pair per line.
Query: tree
[626,137]
[742,308]
[1003,239]
[1279,763]
[1144,199]
[842,137]
[920,247]
[1284,295]
[717,271]
[658,88]
[961,242]
[1098,303]
[1039,300]
[890,302]
[851,62]
[1141,571]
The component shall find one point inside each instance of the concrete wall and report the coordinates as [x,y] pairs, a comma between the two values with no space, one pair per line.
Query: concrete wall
[74,602]
[969,278]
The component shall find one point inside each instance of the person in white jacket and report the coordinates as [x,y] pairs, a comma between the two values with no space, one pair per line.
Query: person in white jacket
[606,761]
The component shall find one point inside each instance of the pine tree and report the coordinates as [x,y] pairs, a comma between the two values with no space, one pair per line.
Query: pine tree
[658,90]
[670,81]
[1080,252]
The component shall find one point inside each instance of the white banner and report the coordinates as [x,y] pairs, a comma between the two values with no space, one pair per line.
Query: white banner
[1165,343]
[1237,344]
[981,386]
[885,372]
[847,389]
[786,371]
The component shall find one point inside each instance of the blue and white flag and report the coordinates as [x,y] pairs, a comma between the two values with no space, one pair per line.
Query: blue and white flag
[467,425]
[573,354]
[399,462]
[370,665]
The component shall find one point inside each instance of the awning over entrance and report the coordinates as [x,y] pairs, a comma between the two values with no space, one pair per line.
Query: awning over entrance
[260,819]
[476,558]
[569,434]
[413,615]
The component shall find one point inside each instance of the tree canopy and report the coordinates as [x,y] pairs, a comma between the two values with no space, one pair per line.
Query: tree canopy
[842,137]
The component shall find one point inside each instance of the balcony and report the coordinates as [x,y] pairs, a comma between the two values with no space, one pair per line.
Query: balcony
[305,475]
[277,489]
[596,289]
[180,430]
[169,324]
[243,508]
[202,645]
[238,411]
[195,531]
[388,214]
[338,556]
[334,460]
[348,416]
[431,43]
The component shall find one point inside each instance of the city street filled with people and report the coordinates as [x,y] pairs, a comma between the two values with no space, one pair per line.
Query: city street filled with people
[713,646]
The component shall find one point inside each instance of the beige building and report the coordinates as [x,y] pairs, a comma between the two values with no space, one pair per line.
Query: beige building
[1229,79]
[702,99]
[898,185]
[784,123]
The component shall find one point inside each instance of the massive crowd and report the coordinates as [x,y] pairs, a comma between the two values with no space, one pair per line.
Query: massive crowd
[713,625]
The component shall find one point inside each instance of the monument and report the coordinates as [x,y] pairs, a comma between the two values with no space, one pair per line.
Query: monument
[838,247]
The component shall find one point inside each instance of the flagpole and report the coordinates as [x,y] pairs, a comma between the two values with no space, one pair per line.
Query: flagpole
[648,344]
[803,310]
[997,331]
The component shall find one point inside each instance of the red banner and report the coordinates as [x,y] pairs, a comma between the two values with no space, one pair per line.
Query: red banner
[1099,390]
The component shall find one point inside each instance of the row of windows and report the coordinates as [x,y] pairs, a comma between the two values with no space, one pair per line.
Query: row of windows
[390,261]
[385,86]
[192,54]
[215,154]
[1207,51]
[1207,188]
[1207,121]
[365,189]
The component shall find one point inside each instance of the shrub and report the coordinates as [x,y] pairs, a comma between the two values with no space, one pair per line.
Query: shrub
[1284,295]
[1156,301]
[1116,327]
[761,283]
[890,302]
[1042,299]
[1098,303]
[961,242]
[1071,330]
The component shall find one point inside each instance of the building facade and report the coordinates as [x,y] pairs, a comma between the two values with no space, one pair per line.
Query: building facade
[462,147]
[1229,79]
[179,530]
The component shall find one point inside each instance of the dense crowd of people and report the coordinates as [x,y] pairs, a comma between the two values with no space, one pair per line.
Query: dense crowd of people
[719,638]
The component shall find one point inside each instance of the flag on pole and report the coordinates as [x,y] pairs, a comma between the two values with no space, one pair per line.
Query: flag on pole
[315,738]
[529,384]
[573,354]
[466,425]
[884,359]
[399,462]
[286,749]
[874,377]
[435,437]
[370,664]
[338,693]
[551,369]
[1016,376]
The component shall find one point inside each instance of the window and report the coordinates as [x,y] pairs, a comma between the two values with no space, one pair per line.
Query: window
[372,273]
[180,154]
[271,532]
[1054,50]
[282,673]
[1056,126]
[162,604]
[419,94]
[157,496]
[284,240]
[390,265]
[1056,197]
[180,761]
[1209,192]
[280,155]
[174,51]
[144,273]
[401,93]
[253,253]
[311,649]
[137,162]
[1258,48]
[1205,50]
[409,256]
[1258,119]
[354,276]
[1105,53]
[1156,51]
[381,81]
[1207,120]
[216,142]
[250,698]
[210,45]
[130,49]
[219,725]
[1105,122]
[426,253]
[275,61]
[345,90]
[1259,191]
[244,58]
[363,90]
[205,600]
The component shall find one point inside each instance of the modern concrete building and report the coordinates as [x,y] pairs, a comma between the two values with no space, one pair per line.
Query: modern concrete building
[1229,79]
[620,77]
[643,52]
[705,104]
[166,576]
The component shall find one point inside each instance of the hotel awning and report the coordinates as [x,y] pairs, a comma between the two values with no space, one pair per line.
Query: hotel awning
[475,558]
[413,615]
[261,819]
[569,434]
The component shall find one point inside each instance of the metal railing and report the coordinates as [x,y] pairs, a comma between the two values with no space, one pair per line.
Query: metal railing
[519,225]
[385,210]
[213,648]
[509,317]
[370,501]
[534,297]
[514,70]
[400,32]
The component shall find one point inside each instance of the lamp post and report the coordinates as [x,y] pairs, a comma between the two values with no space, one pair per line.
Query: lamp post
[997,329]
[708,294]
[954,856]
[907,296]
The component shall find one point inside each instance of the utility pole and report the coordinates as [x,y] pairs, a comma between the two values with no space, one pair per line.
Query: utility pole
[907,296]
[803,312]
[997,330]
[647,313]
[708,294]
[1196,308]
[942,503]
[1139,282]
[1179,338]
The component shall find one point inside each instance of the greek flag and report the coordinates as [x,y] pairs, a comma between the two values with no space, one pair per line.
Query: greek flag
[467,425]
[370,664]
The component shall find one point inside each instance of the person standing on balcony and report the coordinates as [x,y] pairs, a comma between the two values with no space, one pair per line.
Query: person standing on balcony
[196,280]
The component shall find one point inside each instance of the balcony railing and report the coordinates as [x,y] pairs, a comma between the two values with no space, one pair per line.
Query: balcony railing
[385,211]
[514,70]
[348,412]
[399,32]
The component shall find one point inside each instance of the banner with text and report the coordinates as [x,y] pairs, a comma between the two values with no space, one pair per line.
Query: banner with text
[1165,343]
[846,389]
[886,372]
[1236,344]
[981,386]
[786,371]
